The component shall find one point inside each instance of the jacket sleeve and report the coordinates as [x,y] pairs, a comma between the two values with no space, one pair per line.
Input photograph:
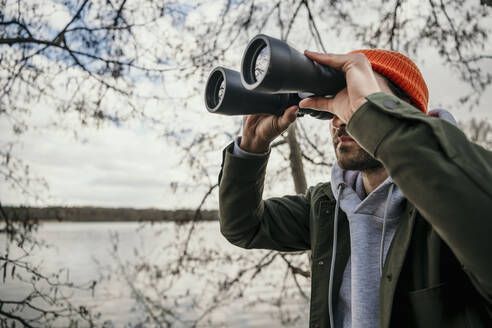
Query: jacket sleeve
[248,221]
[447,177]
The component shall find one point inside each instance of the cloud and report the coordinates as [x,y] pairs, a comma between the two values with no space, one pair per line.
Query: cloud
[112,167]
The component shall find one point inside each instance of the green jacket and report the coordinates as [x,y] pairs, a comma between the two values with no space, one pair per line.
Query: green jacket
[438,270]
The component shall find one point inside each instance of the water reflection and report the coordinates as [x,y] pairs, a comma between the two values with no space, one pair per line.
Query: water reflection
[140,277]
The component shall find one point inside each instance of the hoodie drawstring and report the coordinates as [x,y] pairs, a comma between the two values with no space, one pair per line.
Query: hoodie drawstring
[334,255]
[381,249]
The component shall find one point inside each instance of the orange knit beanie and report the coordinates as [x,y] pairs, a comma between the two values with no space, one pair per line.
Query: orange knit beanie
[401,71]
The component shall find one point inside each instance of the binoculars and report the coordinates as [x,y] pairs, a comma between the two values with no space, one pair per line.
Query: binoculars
[273,77]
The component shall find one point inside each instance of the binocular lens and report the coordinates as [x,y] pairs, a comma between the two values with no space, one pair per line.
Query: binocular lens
[215,89]
[256,61]
[262,61]
[220,91]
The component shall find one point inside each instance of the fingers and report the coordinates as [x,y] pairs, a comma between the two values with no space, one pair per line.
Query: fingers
[341,62]
[318,103]
[335,61]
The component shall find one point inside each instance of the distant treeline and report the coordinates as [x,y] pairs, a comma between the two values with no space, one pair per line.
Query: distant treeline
[93,214]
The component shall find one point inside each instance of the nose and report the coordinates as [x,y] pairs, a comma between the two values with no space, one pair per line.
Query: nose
[337,122]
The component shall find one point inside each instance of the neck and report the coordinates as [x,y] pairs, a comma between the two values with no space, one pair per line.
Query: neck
[373,178]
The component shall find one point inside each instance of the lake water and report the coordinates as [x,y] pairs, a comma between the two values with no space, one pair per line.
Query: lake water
[138,276]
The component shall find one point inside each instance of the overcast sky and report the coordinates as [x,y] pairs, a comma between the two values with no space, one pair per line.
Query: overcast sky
[132,166]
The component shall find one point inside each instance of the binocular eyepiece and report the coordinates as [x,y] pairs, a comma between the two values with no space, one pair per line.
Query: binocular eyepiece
[272,76]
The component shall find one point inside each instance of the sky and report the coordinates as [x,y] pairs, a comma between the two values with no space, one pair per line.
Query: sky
[132,165]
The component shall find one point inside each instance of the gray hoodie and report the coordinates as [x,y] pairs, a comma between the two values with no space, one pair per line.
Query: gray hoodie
[368,216]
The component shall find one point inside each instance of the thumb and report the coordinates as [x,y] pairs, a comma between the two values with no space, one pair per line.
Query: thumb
[318,103]
[287,117]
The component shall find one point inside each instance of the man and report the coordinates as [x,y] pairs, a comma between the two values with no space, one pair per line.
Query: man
[399,238]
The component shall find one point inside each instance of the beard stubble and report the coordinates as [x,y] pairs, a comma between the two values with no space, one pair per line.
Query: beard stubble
[353,157]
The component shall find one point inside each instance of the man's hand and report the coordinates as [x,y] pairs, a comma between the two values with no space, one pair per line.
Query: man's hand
[361,82]
[260,130]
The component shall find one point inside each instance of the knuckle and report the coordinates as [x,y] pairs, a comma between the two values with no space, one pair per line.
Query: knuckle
[275,127]
[359,57]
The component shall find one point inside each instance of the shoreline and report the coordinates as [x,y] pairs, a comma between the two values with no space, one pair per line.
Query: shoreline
[103,214]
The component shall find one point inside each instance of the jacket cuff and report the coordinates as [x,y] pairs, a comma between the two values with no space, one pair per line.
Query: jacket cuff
[242,169]
[238,151]
[374,120]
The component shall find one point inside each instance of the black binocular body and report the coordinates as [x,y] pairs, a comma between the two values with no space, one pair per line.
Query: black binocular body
[273,74]
[225,94]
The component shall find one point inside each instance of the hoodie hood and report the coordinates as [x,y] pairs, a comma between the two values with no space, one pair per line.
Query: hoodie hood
[354,199]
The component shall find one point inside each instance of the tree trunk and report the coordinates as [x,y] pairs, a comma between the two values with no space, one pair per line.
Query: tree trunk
[297,169]
[295,158]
